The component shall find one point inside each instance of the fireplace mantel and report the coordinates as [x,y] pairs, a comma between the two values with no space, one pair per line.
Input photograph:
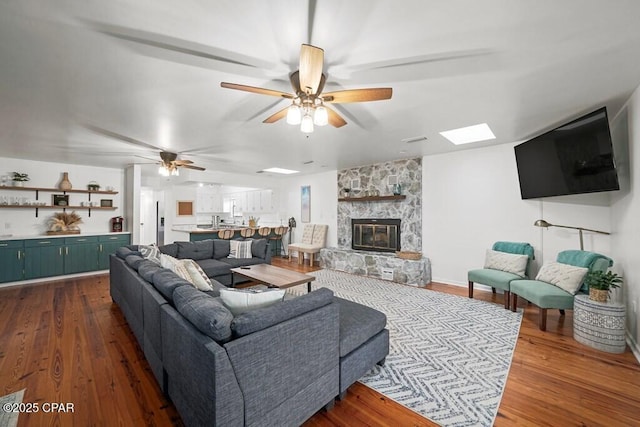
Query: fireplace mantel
[372,198]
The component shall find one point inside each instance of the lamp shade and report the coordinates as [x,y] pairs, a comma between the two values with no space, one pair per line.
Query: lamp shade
[320,117]
[542,223]
[294,115]
[307,124]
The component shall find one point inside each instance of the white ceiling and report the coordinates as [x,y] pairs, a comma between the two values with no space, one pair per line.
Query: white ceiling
[74,72]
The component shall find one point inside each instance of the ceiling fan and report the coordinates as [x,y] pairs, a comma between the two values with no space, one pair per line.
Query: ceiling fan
[307,106]
[169,164]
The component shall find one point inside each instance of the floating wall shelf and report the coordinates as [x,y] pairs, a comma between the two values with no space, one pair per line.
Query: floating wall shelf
[372,198]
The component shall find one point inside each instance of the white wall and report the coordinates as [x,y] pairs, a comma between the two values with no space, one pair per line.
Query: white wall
[626,220]
[324,202]
[23,222]
[472,198]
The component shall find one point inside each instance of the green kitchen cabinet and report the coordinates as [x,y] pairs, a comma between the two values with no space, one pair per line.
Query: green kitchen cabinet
[108,245]
[80,254]
[11,260]
[43,258]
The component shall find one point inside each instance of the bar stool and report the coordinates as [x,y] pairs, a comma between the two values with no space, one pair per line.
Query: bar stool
[225,234]
[279,233]
[247,232]
[264,231]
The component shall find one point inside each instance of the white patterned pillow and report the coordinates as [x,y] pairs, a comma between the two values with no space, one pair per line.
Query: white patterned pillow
[150,252]
[198,277]
[511,263]
[240,249]
[240,300]
[187,269]
[564,276]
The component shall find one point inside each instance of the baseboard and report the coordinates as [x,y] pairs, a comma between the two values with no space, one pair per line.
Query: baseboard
[633,345]
[52,278]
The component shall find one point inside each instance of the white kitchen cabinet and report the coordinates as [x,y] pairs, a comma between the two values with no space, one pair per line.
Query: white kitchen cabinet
[208,202]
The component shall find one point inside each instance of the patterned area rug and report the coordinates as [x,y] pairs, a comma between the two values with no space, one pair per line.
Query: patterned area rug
[449,355]
[10,419]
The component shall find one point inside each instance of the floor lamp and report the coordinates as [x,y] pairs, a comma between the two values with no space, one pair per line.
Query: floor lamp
[545,224]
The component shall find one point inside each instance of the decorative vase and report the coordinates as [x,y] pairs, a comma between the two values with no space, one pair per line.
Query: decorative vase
[65,184]
[598,295]
[18,183]
[397,189]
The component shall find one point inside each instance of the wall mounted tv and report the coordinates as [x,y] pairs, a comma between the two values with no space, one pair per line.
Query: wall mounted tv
[574,158]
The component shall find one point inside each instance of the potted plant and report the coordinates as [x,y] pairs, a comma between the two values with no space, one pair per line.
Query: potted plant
[19,178]
[600,283]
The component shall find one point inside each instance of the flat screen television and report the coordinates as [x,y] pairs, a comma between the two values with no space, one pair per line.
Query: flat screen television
[574,158]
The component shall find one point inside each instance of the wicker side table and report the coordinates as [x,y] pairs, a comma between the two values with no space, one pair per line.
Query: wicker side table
[600,325]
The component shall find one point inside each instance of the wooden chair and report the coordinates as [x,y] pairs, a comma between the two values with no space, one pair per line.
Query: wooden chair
[314,238]
[247,232]
[279,233]
[225,234]
[264,231]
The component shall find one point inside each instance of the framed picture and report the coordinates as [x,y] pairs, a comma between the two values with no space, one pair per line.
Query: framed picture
[106,203]
[60,200]
[305,198]
[184,207]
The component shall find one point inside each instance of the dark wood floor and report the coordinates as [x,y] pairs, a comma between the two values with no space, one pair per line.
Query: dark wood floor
[65,341]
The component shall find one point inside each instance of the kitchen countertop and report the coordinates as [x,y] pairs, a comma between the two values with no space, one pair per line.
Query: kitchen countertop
[196,230]
[58,236]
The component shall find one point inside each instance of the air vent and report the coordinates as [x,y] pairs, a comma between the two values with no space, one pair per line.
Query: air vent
[414,139]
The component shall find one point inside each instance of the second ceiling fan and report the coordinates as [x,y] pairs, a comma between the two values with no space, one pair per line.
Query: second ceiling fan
[308,102]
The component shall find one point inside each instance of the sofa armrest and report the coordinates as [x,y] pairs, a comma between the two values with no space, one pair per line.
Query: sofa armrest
[201,381]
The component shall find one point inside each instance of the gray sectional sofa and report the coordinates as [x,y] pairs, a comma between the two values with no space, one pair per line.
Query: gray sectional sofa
[273,366]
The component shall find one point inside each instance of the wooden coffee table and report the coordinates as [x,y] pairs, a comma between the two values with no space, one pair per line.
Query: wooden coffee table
[273,276]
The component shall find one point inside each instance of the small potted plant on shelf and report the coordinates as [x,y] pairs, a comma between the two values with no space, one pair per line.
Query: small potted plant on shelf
[19,178]
[600,283]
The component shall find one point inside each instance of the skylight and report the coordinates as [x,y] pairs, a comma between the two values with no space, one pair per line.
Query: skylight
[280,170]
[469,134]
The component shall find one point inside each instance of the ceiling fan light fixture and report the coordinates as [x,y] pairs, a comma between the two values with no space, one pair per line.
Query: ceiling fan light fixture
[162,170]
[320,116]
[175,172]
[306,125]
[294,116]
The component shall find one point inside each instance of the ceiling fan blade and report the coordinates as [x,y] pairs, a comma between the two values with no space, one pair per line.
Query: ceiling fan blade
[183,162]
[124,138]
[311,63]
[335,119]
[198,168]
[294,78]
[258,90]
[277,116]
[358,95]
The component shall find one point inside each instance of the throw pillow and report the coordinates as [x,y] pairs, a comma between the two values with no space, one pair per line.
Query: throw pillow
[241,300]
[240,249]
[503,261]
[150,252]
[564,276]
[188,270]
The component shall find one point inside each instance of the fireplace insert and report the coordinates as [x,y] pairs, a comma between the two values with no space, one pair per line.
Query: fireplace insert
[380,235]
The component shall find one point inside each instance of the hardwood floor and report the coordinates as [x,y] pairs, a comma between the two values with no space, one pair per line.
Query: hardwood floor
[66,342]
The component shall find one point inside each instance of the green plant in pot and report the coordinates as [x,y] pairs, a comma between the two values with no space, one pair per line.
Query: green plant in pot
[600,283]
[19,178]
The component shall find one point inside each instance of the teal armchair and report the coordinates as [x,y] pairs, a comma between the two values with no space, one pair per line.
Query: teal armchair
[499,278]
[548,296]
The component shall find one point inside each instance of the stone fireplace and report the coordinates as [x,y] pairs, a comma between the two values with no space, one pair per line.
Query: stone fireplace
[379,235]
[367,243]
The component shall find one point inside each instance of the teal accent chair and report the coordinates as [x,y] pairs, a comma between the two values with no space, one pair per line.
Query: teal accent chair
[546,296]
[500,279]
